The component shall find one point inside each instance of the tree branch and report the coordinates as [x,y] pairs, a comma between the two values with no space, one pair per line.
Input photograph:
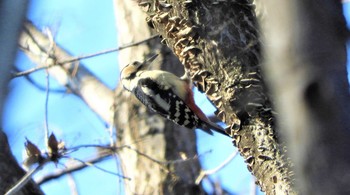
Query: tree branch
[206,173]
[82,82]
[72,168]
[109,50]
[23,181]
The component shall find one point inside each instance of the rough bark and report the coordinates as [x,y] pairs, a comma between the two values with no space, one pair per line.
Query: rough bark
[218,44]
[172,170]
[306,67]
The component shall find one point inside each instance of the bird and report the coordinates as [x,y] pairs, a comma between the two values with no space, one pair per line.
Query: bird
[167,95]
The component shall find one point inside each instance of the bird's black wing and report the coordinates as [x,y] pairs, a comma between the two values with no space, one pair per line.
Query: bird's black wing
[148,97]
[166,103]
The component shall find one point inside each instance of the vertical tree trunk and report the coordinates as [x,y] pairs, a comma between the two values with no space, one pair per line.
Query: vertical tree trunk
[306,67]
[153,171]
[11,18]
[218,44]
[146,132]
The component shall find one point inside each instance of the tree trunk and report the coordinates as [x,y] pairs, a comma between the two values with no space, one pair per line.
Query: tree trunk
[218,44]
[168,164]
[11,18]
[154,154]
[224,63]
[306,67]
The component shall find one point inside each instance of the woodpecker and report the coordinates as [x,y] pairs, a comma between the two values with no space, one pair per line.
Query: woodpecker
[166,94]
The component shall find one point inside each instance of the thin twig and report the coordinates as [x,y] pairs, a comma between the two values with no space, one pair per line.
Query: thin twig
[146,156]
[72,184]
[51,47]
[29,71]
[115,148]
[99,168]
[107,51]
[37,85]
[26,72]
[163,162]
[205,173]
[23,181]
[46,108]
[72,168]
[75,148]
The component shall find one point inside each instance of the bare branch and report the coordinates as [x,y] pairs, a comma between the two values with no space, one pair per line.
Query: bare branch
[162,163]
[46,133]
[74,59]
[23,181]
[84,84]
[72,184]
[146,156]
[74,168]
[99,168]
[27,72]
[108,51]
[37,85]
[206,173]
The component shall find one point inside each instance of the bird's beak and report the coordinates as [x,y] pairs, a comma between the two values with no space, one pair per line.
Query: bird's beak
[149,61]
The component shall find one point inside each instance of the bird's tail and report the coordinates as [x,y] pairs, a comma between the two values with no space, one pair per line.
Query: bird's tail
[208,125]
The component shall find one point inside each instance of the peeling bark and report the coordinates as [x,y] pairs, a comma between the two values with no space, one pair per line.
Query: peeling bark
[218,44]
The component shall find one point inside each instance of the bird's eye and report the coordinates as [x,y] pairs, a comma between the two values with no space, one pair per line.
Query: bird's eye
[135,63]
[132,75]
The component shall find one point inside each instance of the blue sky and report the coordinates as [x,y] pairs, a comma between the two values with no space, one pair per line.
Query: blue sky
[84,27]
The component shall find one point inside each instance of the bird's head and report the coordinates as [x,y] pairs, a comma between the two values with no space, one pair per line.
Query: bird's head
[129,72]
